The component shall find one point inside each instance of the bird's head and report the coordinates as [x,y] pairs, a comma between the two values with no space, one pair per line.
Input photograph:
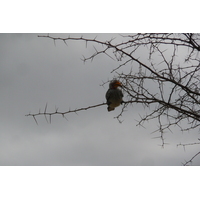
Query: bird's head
[114,84]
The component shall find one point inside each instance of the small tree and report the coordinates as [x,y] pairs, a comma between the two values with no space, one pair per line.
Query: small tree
[165,79]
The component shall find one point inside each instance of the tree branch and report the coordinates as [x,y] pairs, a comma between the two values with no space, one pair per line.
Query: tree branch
[45,113]
[166,76]
[190,161]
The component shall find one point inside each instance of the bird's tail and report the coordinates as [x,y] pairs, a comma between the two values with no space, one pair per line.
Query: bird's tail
[110,109]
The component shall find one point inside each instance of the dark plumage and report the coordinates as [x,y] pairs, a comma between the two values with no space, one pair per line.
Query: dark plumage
[114,95]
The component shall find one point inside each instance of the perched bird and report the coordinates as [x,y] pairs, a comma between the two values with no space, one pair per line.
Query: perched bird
[114,95]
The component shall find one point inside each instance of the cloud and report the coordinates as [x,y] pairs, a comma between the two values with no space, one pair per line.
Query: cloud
[34,72]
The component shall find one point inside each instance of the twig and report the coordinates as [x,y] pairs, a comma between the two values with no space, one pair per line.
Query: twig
[190,161]
[60,113]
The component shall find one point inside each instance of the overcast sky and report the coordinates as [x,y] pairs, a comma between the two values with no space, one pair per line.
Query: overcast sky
[35,71]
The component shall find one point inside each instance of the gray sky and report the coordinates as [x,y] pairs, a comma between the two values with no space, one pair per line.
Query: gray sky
[33,72]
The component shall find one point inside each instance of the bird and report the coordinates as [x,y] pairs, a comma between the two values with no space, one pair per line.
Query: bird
[114,95]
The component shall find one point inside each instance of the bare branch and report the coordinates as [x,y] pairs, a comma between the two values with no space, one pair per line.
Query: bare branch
[190,161]
[45,113]
[165,79]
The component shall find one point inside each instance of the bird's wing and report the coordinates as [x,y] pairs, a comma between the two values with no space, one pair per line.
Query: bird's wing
[108,93]
[121,94]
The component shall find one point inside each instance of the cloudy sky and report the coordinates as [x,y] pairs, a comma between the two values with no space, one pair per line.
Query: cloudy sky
[35,71]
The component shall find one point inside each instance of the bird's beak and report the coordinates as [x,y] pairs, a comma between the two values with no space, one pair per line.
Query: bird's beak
[119,84]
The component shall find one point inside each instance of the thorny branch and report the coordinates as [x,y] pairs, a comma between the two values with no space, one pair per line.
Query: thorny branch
[161,72]
[56,112]
[45,113]
[190,161]
[188,144]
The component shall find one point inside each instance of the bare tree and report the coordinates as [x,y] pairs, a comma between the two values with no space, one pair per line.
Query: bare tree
[165,79]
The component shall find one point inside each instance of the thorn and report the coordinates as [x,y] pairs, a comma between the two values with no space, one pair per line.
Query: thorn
[46,118]
[45,108]
[65,42]
[56,109]
[64,116]
[35,119]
